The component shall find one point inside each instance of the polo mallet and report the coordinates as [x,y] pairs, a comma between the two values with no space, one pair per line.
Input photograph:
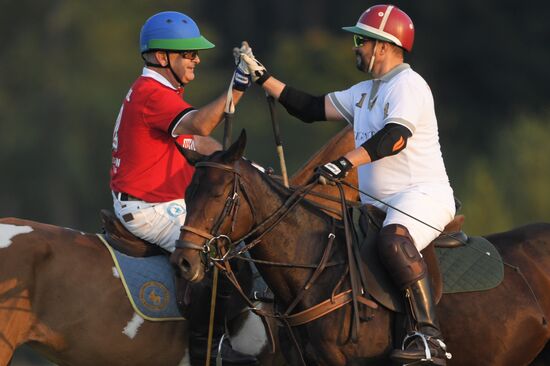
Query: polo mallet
[229,111]
[277,135]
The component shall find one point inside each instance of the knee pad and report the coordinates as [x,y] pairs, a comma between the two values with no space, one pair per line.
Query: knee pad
[399,255]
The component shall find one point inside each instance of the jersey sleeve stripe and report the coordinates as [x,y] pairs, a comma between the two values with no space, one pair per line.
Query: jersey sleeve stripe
[340,108]
[178,119]
[401,121]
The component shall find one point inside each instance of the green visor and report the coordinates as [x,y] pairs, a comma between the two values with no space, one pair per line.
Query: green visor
[181,44]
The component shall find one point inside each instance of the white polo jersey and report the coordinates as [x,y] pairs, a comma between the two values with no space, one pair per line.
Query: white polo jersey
[401,96]
[414,180]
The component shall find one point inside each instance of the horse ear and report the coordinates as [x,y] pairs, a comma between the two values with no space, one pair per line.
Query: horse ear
[236,151]
[191,156]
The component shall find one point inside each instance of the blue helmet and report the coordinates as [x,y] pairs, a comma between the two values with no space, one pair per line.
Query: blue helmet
[171,30]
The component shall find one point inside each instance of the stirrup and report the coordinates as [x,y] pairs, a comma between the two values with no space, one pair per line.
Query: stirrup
[410,337]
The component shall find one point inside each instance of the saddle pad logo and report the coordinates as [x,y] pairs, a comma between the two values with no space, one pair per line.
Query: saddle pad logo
[154,295]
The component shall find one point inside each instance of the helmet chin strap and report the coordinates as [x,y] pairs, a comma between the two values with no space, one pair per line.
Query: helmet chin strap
[168,66]
[371,63]
[181,84]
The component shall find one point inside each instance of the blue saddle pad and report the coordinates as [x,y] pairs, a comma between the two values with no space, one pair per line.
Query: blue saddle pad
[149,284]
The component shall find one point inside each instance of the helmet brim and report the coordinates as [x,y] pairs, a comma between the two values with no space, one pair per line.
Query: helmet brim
[183,44]
[363,32]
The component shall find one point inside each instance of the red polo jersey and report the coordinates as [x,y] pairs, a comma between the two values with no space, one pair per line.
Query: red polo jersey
[145,161]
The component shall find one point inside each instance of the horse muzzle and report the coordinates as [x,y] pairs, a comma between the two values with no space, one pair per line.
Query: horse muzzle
[192,271]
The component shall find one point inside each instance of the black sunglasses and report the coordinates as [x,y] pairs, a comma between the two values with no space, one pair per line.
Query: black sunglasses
[359,41]
[190,55]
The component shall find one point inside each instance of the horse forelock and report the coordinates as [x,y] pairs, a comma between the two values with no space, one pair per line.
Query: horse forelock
[8,232]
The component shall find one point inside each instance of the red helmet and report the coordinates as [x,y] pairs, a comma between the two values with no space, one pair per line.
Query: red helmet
[387,23]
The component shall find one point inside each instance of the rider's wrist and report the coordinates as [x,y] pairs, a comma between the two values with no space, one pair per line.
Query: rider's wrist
[262,79]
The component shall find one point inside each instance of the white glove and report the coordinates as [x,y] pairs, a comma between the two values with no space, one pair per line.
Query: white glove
[242,74]
[247,50]
[257,70]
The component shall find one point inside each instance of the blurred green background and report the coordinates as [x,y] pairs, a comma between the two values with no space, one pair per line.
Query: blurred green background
[66,66]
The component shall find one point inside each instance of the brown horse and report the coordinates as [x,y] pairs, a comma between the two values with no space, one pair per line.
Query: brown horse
[59,295]
[502,326]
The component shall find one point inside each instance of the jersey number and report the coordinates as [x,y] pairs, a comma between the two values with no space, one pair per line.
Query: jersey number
[117,124]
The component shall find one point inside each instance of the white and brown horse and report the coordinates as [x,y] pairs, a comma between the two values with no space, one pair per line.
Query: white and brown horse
[60,295]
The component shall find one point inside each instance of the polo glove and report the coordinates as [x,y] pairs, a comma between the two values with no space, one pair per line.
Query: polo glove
[242,78]
[257,70]
[335,170]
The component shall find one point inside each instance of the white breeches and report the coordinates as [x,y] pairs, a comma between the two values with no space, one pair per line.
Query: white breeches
[427,211]
[158,223]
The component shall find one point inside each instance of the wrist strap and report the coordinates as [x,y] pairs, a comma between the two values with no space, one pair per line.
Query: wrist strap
[262,79]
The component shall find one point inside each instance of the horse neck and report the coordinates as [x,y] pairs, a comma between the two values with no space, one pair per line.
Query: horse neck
[299,238]
[337,146]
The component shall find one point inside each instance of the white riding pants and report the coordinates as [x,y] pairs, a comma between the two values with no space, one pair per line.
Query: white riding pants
[158,223]
[421,210]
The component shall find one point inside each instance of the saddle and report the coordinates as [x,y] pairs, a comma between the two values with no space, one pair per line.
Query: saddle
[123,240]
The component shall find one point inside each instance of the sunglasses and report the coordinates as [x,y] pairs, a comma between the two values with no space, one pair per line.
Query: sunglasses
[190,55]
[359,41]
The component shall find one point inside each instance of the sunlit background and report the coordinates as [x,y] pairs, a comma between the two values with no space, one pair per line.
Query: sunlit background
[66,66]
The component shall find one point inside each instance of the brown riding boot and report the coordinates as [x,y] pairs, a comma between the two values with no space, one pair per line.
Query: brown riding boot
[425,345]
[408,270]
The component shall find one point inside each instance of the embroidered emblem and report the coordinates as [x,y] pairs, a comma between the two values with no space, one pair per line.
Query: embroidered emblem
[386,107]
[175,210]
[360,102]
[154,295]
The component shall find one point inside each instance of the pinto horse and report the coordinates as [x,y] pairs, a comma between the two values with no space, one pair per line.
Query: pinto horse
[504,326]
[59,295]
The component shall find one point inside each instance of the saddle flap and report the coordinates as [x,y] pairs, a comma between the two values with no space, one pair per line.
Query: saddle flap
[379,283]
[123,240]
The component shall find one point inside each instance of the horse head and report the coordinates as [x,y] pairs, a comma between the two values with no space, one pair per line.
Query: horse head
[215,201]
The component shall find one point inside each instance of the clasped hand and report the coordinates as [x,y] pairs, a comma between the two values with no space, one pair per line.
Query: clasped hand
[241,79]
[248,65]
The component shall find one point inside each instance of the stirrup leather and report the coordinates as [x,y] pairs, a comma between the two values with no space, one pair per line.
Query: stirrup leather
[411,336]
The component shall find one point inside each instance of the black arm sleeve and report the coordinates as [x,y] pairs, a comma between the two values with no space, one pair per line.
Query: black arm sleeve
[303,106]
[388,141]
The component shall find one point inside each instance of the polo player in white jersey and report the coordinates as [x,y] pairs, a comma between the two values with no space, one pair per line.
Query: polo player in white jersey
[397,155]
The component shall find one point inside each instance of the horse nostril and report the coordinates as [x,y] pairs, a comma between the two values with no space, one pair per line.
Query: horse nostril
[185,266]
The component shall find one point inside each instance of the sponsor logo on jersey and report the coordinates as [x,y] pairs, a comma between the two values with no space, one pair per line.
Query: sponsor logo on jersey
[188,143]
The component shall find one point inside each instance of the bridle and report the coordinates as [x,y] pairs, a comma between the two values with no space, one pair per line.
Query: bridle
[230,210]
